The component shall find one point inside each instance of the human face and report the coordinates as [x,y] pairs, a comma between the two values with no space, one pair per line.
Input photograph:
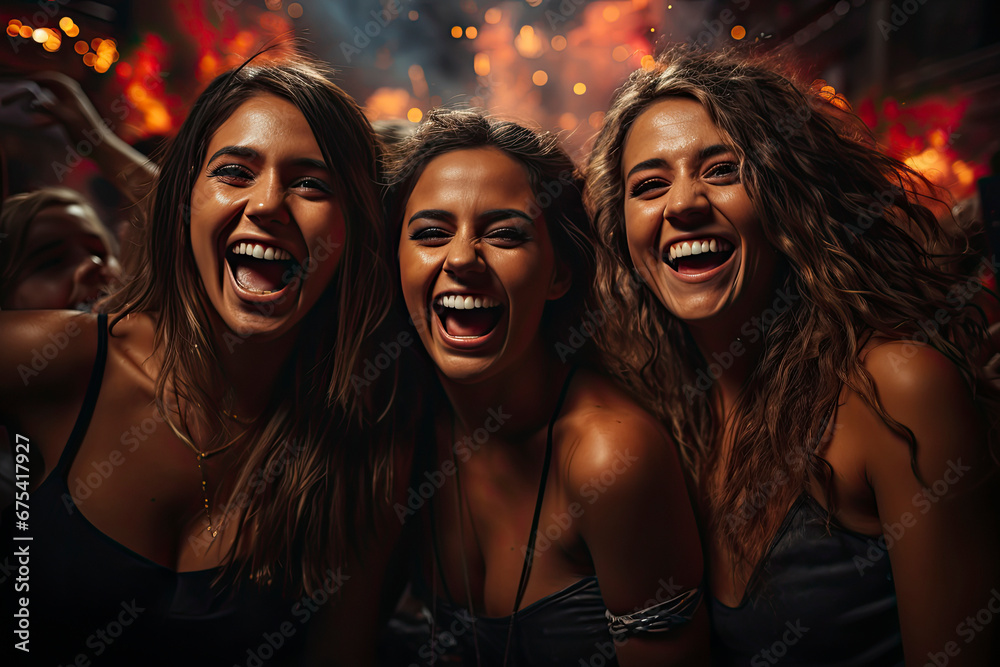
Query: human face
[68,261]
[682,187]
[267,232]
[477,268]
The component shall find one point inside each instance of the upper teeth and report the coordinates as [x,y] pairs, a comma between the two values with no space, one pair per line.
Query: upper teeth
[686,248]
[466,302]
[258,251]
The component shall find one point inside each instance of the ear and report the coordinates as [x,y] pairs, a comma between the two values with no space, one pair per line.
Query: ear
[562,280]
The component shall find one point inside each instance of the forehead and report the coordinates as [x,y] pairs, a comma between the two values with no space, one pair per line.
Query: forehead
[673,125]
[267,122]
[60,221]
[485,174]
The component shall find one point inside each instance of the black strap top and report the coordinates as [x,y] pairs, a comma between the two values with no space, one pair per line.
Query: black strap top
[558,630]
[93,601]
[818,598]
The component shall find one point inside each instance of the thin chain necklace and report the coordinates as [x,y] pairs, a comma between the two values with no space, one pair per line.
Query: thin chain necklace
[202,456]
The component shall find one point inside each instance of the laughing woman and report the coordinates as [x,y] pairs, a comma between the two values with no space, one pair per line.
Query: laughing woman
[560,517]
[815,364]
[203,474]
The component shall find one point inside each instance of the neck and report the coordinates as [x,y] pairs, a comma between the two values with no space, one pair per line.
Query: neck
[251,368]
[513,403]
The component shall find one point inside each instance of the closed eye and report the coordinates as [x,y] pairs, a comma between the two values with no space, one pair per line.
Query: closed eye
[508,236]
[231,173]
[312,183]
[646,186]
[724,170]
[429,235]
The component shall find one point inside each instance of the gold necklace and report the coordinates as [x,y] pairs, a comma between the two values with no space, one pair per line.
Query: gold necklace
[199,457]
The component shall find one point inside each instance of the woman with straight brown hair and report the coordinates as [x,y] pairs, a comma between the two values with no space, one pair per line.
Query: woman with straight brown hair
[206,482]
[815,363]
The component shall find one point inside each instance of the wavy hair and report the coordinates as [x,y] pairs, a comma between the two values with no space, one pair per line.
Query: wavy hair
[307,477]
[853,230]
[555,183]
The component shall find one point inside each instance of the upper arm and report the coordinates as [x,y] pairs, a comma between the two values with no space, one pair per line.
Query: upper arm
[943,539]
[42,352]
[639,526]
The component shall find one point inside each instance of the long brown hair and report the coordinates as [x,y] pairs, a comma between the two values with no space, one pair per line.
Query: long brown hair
[307,479]
[853,233]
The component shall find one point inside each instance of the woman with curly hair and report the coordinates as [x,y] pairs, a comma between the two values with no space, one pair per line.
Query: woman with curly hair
[816,365]
[206,476]
[536,538]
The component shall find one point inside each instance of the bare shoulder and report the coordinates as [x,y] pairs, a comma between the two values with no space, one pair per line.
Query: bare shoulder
[605,432]
[44,352]
[927,393]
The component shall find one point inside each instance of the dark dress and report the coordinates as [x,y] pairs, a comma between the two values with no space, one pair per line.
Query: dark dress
[820,598]
[92,601]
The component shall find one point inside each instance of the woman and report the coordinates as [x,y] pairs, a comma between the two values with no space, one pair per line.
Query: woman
[214,488]
[533,490]
[55,253]
[815,365]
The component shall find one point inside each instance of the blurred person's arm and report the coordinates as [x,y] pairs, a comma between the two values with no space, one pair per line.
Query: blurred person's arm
[129,170]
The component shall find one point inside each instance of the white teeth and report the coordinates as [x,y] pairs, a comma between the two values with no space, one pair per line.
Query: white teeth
[258,251]
[687,248]
[466,302]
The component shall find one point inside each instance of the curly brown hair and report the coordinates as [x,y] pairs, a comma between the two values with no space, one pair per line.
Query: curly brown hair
[853,230]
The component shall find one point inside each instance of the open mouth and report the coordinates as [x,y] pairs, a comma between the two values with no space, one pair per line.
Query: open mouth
[467,316]
[695,256]
[260,269]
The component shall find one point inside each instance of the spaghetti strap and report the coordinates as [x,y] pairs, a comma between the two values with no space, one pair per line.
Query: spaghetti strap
[89,399]
[529,554]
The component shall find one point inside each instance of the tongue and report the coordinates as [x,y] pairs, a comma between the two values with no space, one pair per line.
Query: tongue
[700,263]
[470,323]
[258,275]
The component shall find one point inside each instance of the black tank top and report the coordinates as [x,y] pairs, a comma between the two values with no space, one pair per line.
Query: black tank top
[93,601]
[559,630]
[819,598]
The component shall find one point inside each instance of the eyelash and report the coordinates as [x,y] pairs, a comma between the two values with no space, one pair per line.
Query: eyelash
[505,234]
[644,186]
[235,171]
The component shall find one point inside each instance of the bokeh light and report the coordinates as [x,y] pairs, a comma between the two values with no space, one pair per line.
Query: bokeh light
[540,78]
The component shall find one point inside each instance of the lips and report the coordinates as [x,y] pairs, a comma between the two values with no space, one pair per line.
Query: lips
[695,256]
[260,269]
[467,317]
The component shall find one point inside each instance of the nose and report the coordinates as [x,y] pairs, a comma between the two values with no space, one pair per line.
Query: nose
[686,203]
[463,257]
[266,201]
[92,275]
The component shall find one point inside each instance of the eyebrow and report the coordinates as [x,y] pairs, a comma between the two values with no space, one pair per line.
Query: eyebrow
[656,162]
[490,216]
[250,154]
